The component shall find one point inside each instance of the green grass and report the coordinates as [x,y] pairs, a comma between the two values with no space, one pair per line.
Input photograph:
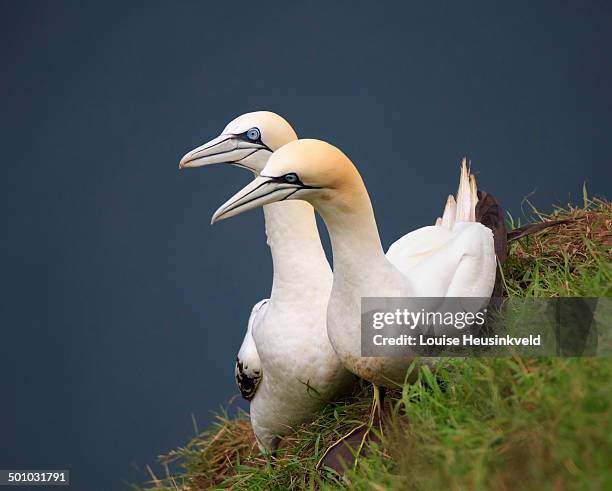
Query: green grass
[494,424]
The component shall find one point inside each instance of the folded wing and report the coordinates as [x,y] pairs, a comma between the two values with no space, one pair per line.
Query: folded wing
[248,368]
[420,244]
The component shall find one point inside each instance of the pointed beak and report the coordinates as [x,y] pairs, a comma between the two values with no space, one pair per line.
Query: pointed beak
[261,191]
[224,149]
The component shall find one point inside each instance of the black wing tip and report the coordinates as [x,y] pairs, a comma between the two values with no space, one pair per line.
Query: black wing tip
[246,384]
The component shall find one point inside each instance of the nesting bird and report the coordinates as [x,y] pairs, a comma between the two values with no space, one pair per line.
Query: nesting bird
[286,365]
[460,261]
[302,344]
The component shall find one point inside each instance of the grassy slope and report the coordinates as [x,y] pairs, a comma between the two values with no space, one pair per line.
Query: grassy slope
[478,424]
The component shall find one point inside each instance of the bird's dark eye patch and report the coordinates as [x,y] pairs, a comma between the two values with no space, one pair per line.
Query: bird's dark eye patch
[253,137]
[253,134]
[291,178]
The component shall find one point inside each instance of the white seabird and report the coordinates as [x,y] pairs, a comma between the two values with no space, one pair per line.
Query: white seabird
[459,259]
[286,365]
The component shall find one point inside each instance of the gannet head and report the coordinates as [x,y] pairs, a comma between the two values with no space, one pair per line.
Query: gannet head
[247,142]
[309,170]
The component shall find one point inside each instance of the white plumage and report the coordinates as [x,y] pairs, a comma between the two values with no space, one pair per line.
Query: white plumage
[286,365]
[423,242]
[454,259]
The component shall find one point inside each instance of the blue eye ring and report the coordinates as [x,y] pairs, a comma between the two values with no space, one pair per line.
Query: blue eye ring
[291,178]
[253,134]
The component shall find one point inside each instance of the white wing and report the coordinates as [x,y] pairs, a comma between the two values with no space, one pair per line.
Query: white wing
[248,368]
[412,248]
[420,244]
[464,266]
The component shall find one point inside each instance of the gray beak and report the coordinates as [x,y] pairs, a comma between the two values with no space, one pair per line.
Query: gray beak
[223,149]
[261,191]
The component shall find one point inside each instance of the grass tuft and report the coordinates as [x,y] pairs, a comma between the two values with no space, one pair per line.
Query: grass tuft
[573,259]
[502,424]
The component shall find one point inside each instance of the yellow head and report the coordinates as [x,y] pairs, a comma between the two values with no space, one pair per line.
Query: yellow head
[309,170]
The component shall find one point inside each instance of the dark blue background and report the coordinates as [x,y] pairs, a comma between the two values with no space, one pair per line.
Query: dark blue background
[122,309]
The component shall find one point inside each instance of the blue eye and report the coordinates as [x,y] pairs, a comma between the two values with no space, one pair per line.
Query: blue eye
[291,178]
[253,134]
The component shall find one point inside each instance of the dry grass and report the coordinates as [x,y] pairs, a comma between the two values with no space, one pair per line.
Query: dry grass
[572,259]
[215,451]
[569,242]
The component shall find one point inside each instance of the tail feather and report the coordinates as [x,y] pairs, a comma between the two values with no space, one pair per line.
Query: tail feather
[473,197]
[450,211]
[472,205]
[463,207]
[464,195]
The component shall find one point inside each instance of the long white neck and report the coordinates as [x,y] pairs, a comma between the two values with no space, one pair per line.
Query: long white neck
[357,251]
[297,254]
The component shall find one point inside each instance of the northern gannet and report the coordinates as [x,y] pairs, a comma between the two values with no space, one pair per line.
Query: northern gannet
[459,258]
[286,365]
